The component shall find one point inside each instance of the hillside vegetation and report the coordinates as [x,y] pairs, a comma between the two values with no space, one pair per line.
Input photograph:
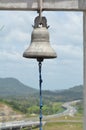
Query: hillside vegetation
[10,87]
[26,99]
[8,113]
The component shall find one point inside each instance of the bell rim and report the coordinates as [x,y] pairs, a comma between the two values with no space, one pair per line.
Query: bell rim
[35,56]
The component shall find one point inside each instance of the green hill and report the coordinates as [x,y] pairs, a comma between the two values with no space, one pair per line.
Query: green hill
[74,93]
[26,99]
[11,87]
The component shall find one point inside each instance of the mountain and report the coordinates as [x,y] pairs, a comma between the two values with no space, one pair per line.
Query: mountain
[13,87]
[71,94]
[74,93]
[77,88]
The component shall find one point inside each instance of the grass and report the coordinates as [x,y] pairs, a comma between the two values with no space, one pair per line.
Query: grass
[63,123]
[63,126]
[78,118]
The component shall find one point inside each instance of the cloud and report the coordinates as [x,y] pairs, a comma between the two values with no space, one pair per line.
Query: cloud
[65,37]
[9,56]
[70,51]
[65,27]
[18,36]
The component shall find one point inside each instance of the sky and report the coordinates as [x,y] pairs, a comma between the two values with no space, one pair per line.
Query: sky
[66,37]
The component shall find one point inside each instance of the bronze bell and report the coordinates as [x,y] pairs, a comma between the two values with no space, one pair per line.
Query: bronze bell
[40,47]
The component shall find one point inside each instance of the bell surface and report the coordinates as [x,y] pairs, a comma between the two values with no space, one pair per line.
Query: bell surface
[40,46]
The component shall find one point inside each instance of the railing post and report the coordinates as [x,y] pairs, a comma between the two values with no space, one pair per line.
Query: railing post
[84,66]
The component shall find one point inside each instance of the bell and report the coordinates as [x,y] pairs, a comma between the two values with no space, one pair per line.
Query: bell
[40,47]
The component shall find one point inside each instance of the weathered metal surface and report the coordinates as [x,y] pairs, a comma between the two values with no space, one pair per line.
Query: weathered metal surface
[40,47]
[74,5]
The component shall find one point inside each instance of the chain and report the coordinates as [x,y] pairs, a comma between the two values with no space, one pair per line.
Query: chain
[40,87]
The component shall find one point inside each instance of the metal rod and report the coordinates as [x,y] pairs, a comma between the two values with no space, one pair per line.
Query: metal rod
[40,87]
[40,13]
[40,2]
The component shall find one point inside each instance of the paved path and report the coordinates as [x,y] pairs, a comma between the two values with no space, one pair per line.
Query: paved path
[70,110]
[18,124]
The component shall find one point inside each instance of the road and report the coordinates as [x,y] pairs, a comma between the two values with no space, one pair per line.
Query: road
[70,110]
[18,124]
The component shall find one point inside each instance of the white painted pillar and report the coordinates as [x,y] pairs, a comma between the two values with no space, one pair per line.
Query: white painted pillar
[84,64]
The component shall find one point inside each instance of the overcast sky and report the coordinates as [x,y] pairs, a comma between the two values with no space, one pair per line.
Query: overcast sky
[66,37]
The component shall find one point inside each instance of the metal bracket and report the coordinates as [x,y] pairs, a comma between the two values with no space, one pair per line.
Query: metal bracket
[38,23]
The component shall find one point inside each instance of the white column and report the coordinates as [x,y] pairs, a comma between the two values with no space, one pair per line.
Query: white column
[84,64]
